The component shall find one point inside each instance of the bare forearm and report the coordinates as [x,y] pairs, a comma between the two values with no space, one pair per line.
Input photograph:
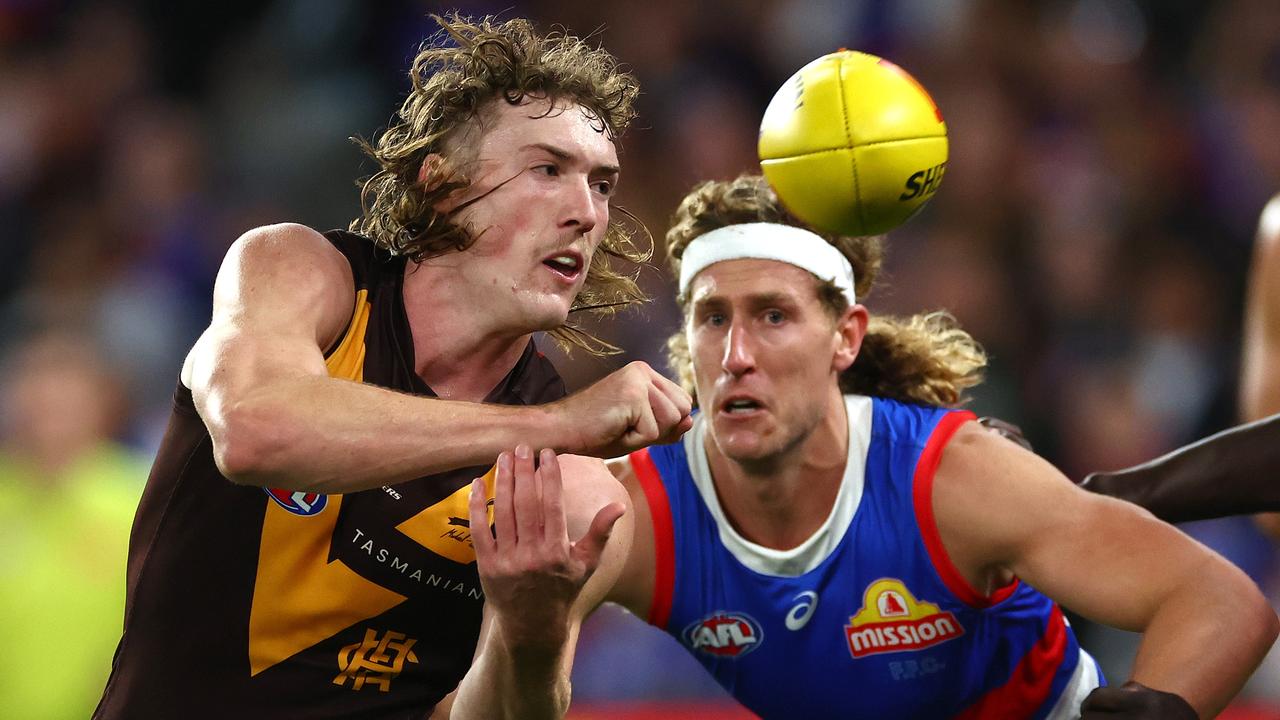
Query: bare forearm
[1206,657]
[507,683]
[1232,473]
[326,435]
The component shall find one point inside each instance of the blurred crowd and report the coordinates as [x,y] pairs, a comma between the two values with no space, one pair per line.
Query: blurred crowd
[1109,159]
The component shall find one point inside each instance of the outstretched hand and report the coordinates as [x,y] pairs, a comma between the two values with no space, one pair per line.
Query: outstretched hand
[531,572]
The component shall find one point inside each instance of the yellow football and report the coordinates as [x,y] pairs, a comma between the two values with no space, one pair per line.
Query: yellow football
[853,144]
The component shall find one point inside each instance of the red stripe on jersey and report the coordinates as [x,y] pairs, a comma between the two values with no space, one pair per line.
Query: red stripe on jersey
[922,494]
[1028,687]
[664,543]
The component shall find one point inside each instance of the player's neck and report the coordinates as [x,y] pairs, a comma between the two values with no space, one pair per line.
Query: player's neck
[458,350]
[780,501]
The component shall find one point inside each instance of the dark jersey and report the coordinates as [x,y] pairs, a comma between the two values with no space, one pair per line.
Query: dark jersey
[252,603]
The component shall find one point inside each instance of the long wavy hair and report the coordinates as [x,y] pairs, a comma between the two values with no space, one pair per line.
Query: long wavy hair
[924,359]
[455,76]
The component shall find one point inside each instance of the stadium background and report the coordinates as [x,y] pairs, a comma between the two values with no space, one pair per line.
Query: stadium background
[1109,159]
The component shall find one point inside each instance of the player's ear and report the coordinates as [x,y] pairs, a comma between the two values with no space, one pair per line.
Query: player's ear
[430,173]
[437,171]
[850,329]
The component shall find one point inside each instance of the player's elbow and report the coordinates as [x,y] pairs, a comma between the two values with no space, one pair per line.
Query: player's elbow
[1264,620]
[1240,604]
[248,446]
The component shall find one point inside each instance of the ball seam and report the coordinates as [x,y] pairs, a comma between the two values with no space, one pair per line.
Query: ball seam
[853,147]
[848,139]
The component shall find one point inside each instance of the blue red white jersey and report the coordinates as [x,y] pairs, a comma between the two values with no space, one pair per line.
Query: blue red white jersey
[868,618]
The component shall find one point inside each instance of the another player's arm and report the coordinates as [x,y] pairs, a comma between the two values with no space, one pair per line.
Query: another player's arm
[1234,472]
[1260,372]
[535,594]
[1002,511]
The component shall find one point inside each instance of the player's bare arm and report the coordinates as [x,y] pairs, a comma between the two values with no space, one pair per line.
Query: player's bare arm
[1230,473]
[539,583]
[275,416]
[277,419]
[1260,371]
[1003,512]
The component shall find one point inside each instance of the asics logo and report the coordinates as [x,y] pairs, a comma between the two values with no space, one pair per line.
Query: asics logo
[803,610]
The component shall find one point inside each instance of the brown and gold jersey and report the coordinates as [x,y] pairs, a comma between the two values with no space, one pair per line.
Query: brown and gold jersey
[252,603]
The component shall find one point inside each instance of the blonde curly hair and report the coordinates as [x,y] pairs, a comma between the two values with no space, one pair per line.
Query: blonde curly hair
[455,76]
[925,359]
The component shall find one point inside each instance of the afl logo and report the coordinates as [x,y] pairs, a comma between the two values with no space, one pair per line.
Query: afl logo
[298,503]
[724,634]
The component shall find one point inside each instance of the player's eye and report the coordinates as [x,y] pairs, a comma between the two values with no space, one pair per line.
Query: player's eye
[774,317]
[548,170]
[604,187]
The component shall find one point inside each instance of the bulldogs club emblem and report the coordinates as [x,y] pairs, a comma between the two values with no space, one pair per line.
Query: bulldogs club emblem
[724,634]
[298,502]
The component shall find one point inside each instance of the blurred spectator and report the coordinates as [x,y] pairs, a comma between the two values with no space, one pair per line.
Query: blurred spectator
[67,496]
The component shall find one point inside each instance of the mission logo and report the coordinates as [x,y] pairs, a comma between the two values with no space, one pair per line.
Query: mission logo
[892,620]
[724,634]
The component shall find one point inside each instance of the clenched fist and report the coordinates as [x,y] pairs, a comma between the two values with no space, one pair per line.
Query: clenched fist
[629,409]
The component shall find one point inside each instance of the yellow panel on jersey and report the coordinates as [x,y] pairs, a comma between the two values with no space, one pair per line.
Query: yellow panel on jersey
[299,597]
[444,528]
[347,360]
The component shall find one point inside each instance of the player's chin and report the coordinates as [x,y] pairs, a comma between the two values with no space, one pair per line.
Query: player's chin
[746,453]
[549,311]
[741,444]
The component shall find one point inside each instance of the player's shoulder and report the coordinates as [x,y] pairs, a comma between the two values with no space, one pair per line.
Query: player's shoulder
[299,252]
[975,460]
[1269,222]
[972,442]
[280,273]
[898,421]
[282,240]
[588,486]
[621,469]
[589,480]
[1267,246]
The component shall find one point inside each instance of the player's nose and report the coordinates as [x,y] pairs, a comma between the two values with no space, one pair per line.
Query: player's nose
[738,358]
[580,209]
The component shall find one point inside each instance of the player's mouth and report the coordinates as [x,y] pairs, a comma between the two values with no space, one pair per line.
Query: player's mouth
[567,264]
[741,406]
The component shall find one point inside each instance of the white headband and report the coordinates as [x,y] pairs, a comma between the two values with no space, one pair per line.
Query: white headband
[768,241]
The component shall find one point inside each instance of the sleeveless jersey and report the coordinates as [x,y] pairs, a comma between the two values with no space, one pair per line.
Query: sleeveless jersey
[868,618]
[252,603]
